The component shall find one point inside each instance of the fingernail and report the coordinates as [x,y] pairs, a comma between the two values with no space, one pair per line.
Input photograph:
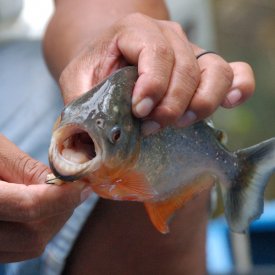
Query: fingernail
[234,97]
[149,127]
[85,194]
[144,107]
[187,119]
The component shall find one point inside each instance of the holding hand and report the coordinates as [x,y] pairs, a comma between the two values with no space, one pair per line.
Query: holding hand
[173,86]
[31,212]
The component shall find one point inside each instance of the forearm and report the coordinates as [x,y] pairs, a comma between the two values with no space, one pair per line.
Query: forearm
[74,23]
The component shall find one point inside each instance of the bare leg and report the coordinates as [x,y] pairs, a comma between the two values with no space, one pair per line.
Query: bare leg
[119,239]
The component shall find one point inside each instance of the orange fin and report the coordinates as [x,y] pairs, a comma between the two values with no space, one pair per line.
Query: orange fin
[134,186]
[160,212]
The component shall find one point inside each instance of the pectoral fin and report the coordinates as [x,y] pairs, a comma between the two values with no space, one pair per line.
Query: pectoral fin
[160,212]
[130,185]
[134,186]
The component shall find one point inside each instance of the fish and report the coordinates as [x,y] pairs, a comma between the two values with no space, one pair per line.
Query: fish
[97,139]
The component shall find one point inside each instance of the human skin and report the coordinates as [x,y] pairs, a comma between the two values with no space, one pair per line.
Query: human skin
[119,238]
[31,212]
[86,41]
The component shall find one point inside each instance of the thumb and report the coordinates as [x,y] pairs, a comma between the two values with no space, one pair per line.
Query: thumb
[93,64]
[17,166]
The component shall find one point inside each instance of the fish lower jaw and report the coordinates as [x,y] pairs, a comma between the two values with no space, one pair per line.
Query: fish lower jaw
[69,169]
[65,167]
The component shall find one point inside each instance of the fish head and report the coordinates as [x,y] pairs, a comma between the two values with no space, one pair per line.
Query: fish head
[97,129]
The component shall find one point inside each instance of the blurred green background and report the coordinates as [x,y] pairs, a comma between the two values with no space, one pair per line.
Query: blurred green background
[245,31]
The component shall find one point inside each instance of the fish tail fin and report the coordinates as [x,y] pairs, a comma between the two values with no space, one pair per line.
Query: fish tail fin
[244,197]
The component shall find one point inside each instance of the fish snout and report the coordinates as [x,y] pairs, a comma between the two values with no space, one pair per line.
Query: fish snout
[73,153]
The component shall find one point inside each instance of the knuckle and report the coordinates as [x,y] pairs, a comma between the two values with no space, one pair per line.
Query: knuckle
[177,27]
[190,73]
[163,51]
[228,75]
[205,106]
[157,83]
[223,69]
[31,210]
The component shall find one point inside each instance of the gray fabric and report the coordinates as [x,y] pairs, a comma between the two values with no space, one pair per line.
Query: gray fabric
[30,101]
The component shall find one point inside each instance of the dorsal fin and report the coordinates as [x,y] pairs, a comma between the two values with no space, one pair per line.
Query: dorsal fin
[160,212]
[220,135]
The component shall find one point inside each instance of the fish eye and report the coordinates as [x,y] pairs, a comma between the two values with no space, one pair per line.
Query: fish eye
[115,134]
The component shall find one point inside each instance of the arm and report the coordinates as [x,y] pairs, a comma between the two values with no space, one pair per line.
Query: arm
[75,23]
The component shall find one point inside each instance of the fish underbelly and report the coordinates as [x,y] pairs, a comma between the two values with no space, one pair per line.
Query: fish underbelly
[170,182]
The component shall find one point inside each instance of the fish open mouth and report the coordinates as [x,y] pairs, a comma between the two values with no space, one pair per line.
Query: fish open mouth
[73,152]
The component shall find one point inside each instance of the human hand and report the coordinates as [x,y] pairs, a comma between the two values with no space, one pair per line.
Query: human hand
[173,87]
[31,212]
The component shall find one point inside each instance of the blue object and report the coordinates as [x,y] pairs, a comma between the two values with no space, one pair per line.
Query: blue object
[262,243]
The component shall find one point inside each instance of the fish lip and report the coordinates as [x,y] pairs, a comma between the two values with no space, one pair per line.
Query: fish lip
[63,177]
[65,169]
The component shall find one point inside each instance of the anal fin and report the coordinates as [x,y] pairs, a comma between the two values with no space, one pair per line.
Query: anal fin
[160,212]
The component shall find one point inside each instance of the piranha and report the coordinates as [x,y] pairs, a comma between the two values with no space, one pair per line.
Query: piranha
[98,140]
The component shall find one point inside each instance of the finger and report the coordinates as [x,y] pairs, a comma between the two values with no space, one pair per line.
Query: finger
[183,81]
[155,58]
[242,87]
[29,203]
[16,166]
[216,79]
[119,46]
[154,67]
[30,237]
